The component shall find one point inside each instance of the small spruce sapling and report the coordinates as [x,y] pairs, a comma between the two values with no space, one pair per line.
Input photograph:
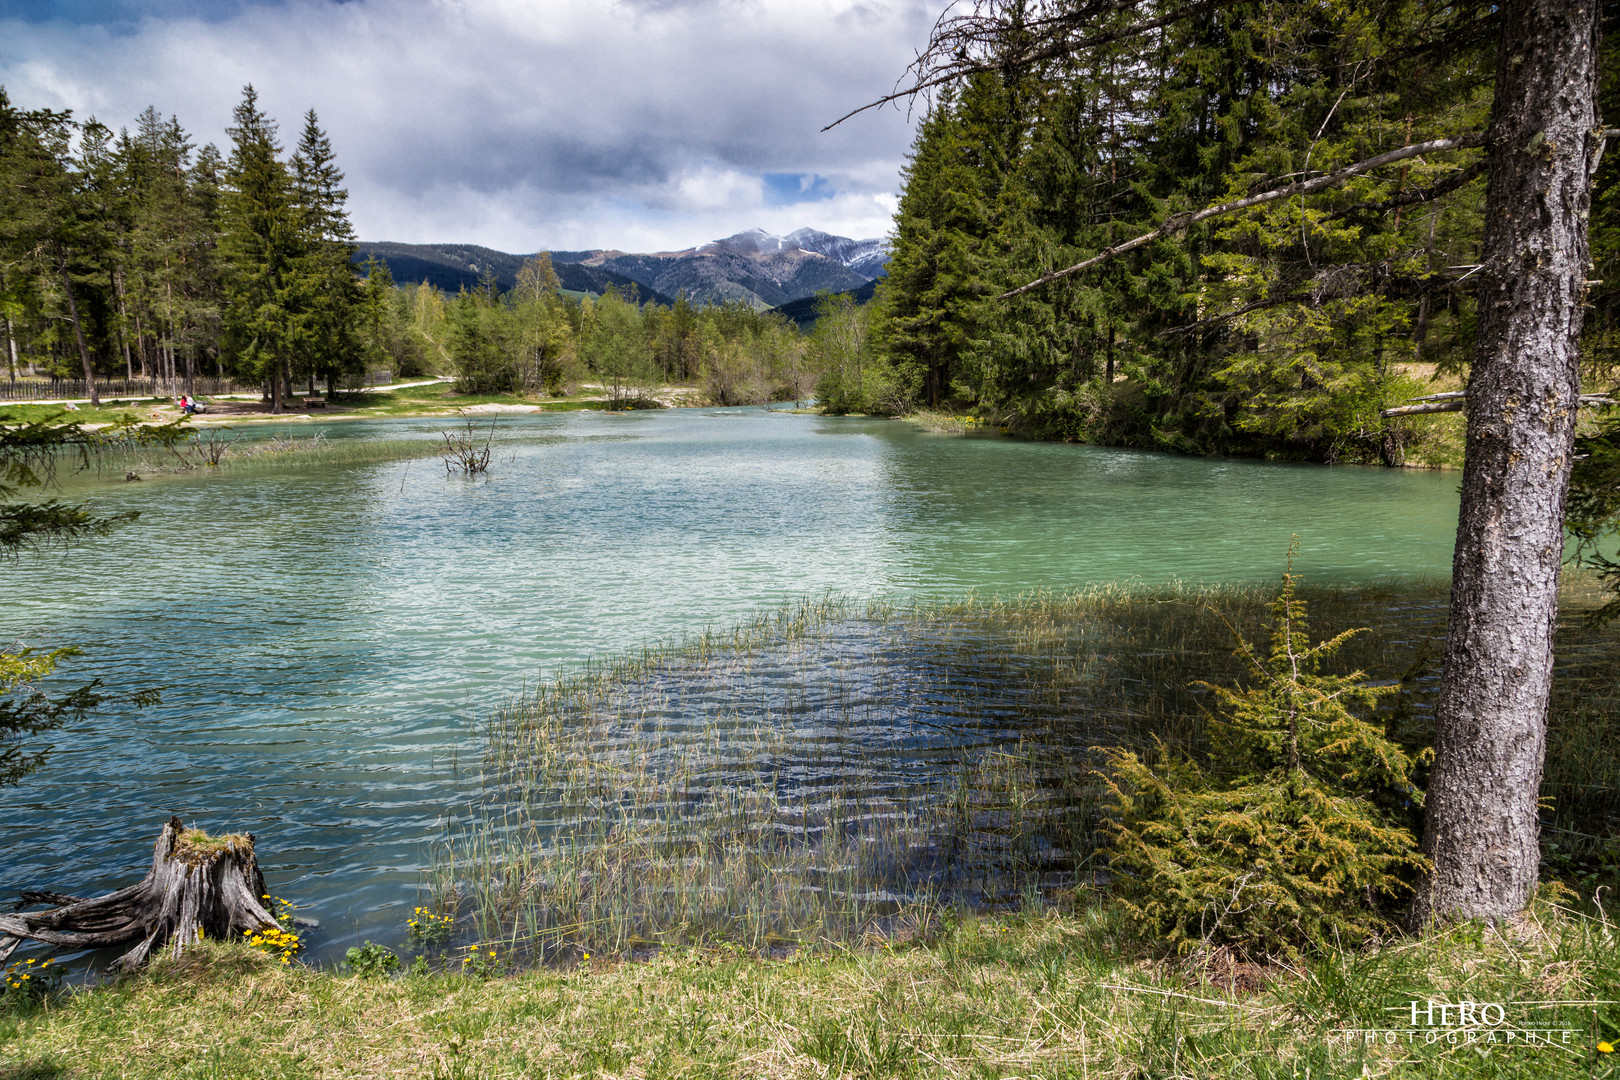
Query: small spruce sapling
[1292,836]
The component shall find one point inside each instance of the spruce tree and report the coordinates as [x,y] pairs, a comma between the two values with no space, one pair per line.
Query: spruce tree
[327,289]
[261,242]
[1299,832]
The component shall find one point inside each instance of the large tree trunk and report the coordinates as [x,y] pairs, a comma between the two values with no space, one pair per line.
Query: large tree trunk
[1481,830]
[197,886]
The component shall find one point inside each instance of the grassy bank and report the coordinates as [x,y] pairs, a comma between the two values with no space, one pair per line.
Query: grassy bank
[440,399]
[1037,994]
[423,399]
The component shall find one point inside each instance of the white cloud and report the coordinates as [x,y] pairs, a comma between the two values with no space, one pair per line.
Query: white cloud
[637,124]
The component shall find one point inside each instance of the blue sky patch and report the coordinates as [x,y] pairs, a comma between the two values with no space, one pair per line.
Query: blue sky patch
[789,189]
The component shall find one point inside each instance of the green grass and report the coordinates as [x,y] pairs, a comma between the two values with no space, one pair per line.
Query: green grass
[418,400]
[442,398]
[1037,994]
[109,412]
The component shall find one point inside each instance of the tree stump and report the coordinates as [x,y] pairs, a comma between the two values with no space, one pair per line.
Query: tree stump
[198,885]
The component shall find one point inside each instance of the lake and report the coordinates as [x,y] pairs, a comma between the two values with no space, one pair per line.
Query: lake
[329,638]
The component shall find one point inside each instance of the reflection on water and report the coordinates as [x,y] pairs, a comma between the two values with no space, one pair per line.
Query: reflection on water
[329,638]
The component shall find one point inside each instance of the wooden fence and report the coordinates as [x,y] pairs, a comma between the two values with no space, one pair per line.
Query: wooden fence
[113,389]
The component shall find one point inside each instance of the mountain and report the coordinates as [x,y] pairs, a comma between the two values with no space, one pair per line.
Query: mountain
[452,267]
[803,310]
[868,258]
[753,267]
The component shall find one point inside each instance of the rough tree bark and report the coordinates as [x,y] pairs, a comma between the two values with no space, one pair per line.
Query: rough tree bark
[1481,829]
[196,886]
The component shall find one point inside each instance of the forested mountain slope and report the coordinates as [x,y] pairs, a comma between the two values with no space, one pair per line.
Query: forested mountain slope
[753,267]
[453,267]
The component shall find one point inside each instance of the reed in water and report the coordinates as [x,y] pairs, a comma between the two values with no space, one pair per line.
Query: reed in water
[845,771]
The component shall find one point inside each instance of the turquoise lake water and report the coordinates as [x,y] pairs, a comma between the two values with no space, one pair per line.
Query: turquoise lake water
[328,638]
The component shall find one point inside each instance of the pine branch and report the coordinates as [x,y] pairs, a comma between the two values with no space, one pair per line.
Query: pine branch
[1178,222]
[1277,301]
[1445,186]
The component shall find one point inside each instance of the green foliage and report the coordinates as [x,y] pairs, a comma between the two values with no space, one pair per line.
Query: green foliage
[260,244]
[1297,834]
[483,962]
[613,346]
[1593,513]
[328,297]
[27,710]
[28,982]
[1284,330]
[480,348]
[33,447]
[30,451]
[853,376]
[371,961]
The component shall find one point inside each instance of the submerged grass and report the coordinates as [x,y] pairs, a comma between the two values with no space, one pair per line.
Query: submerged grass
[212,450]
[840,771]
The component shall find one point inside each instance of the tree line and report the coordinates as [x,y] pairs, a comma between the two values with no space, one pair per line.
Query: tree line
[136,253]
[536,339]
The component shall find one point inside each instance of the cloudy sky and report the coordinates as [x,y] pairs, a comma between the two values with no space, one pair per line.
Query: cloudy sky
[519,124]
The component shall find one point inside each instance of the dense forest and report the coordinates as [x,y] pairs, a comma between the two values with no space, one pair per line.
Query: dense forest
[137,255]
[1282,330]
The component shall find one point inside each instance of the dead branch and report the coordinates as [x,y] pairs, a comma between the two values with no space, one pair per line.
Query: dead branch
[964,45]
[1178,222]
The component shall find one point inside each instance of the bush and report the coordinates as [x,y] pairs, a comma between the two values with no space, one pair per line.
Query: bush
[371,961]
[1297,834]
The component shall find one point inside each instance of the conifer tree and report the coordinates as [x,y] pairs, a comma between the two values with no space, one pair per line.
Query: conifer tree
[261,242]
[43,214]
[1300,830]
[326,285]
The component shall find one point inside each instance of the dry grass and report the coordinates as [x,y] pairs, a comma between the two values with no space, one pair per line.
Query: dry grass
[1054,996]
[1435,441]
[937,421]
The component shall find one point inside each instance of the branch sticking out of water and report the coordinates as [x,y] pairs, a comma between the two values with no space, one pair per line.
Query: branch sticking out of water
[463,451]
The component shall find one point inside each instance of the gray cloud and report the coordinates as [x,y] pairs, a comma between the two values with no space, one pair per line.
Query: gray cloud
[636,124]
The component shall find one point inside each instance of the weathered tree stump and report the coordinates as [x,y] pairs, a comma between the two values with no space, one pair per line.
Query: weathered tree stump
[198,885]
